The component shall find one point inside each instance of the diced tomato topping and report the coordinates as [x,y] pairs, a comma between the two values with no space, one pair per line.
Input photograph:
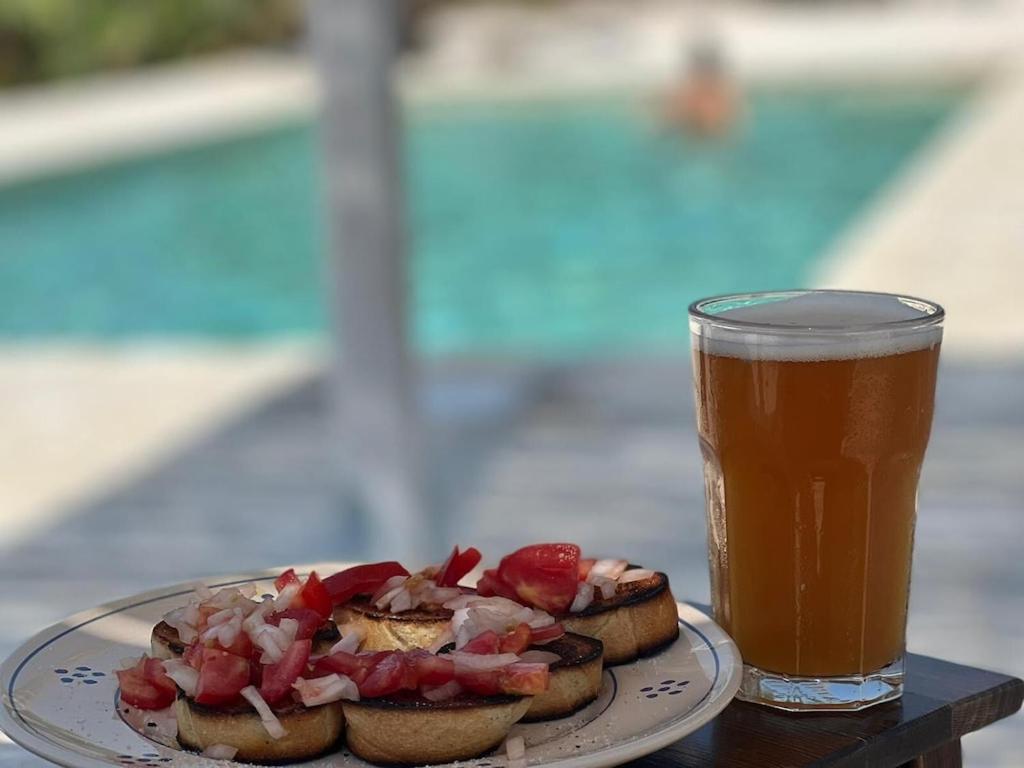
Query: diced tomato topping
[278,677]
[543,575]
[242,645]
[485,643]
[314,595]
[540,635]
[516,641]
[586,564]
[456,566]
[286,578]
[430,669]
[491,585]
[146,686]
[360,580]
[308,619]
[222,676]
[523,678]
[355,666]
[390,675]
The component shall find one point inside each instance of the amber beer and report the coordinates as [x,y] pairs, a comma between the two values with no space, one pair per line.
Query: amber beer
[813,414]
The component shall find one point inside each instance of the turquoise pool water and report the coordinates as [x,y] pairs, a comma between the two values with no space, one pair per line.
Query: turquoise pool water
[536,227]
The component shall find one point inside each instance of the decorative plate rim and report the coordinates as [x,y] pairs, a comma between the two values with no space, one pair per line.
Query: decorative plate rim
[723,685]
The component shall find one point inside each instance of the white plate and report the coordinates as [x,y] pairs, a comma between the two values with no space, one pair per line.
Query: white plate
[59,693]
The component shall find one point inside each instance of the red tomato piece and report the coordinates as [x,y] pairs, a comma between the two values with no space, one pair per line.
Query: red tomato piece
[546,634]
[278,677]
[242,646]
[483,682]
[154,673]
[222,676]
[309,621]
[586,564]
[355,666]
[360,580]
[430,669]
[456,566]
[523,678]
[314,595]
[543,575]
[390,675]
[516,641]
[491,585]
[485,643]
[139,690]
[286,578]
[193,655]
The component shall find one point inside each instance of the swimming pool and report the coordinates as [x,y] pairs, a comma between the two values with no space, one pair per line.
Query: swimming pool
[545,227]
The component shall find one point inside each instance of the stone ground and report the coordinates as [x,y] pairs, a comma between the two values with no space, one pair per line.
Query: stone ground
[603,454]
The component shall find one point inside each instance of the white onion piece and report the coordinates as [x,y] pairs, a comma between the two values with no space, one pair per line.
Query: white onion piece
[202,591]
[259,616]
[247,590]
[515,748]
[286,596]
[480,661]
[584,597]
[540,619]
[324,690]
[351,638]
[608,589]
[271,641]
[449,690]
[220,752]
[637,574]
[391,584]
[539,657]
[402,601]
[184,676]
[609,569]
[191,613]
[290,627]
[221,616]
[270,722]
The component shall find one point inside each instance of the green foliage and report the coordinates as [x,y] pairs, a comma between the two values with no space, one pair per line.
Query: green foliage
[48,39]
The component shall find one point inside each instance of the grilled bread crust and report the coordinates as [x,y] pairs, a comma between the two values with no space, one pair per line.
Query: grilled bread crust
[311,731]
[640,619]
[416,731]
[574,680]
[165,642]
[386,631]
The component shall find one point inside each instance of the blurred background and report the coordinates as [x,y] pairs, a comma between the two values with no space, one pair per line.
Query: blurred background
[286,282]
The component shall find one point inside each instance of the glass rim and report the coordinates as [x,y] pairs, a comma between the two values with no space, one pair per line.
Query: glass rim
[932,314]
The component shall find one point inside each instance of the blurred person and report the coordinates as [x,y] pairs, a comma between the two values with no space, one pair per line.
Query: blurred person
[705,102]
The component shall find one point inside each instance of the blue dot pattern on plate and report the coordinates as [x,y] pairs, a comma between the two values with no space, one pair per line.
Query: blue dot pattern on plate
[80,675]
[669,687]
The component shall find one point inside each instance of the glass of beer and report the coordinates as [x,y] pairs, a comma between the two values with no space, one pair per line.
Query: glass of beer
[813,414]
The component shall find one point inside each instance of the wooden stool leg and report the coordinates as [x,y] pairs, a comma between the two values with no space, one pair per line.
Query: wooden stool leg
[946,756]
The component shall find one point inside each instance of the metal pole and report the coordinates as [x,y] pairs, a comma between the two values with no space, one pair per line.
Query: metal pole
[372,387]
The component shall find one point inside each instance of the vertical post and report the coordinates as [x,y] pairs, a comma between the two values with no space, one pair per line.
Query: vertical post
[372,385]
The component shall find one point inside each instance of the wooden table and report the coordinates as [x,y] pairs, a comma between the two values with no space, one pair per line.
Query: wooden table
[941,703]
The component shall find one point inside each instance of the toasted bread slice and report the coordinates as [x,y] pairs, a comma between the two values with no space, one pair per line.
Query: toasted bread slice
[640,619]
[311,731]
[165,643]
[387,631]
[411,730]
[574,680]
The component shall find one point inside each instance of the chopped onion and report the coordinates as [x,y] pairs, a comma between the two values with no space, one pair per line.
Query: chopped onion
[286,596]
[539,657]
[351,638]
[449,690]
[515,748]
[540,619]
[202,591]
[270,722]
[220,752]
[272,641]
[480,661]
[584,597]
[225,614]
[401,601]
[608,589]
[184,676]
[290,627]
[388,586]
[259,616]
[247,590]
[324,690]
[608,569]
[636,574]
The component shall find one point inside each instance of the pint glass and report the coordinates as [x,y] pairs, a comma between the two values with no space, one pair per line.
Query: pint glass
[813,414]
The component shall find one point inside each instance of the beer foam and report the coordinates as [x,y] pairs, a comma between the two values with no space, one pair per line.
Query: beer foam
[820,326]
